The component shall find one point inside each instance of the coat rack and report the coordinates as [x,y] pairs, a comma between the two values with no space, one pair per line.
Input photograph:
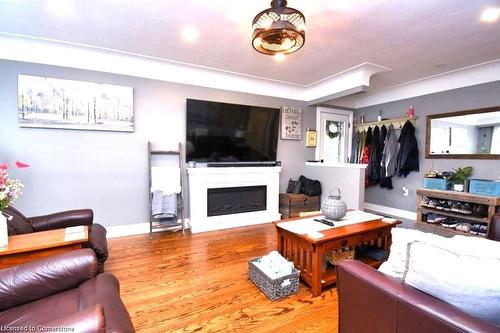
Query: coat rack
[396,122]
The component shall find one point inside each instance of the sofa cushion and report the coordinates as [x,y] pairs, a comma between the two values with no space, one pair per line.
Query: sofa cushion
[457,274]
[401,237]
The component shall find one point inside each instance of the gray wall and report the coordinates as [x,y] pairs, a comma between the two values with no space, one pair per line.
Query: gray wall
[474,97]
[107,171]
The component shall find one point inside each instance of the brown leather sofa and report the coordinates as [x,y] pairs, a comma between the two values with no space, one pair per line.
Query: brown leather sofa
[20,224]
[370,301]
[61,291]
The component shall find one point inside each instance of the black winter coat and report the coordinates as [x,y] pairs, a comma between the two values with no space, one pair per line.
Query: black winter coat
[407,159]
[375,157]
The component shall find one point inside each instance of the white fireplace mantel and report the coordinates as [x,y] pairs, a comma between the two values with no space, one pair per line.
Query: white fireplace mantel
[202,179]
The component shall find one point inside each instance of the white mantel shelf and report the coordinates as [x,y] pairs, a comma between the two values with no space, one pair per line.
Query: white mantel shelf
[202,179]
[337,165]
[232,170]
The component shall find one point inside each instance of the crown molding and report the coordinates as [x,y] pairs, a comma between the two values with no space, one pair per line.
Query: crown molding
[352,84]
[463,77]
[64,54]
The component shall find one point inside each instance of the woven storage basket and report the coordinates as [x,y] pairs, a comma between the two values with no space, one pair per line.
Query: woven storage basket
[334,257]
[273,288]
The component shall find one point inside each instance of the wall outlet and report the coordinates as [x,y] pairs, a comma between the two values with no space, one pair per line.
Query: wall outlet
[405,191]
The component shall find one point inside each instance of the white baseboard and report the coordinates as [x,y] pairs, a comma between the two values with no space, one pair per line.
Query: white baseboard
[123,230]
[405,214]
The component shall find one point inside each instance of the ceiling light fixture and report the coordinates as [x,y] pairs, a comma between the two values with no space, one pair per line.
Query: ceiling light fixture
[490,15]
[279,29]
[190,34]
[279,57]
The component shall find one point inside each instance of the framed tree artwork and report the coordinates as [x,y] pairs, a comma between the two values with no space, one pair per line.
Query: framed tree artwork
[68,104]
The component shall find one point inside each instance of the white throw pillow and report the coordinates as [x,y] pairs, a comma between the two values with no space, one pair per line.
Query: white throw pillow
[474,246]
[469,282]
[396,263]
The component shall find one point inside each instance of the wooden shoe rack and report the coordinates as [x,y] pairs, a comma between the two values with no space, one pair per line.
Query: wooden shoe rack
[492,204]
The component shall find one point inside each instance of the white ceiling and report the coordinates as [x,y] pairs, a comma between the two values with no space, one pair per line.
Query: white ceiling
[414,38]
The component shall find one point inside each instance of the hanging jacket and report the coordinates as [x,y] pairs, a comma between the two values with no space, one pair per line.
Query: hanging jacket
[355,150]
[383,135]
[373,173]
[390,152]
[365,154]
[361,146]
[407,159]
[388,161]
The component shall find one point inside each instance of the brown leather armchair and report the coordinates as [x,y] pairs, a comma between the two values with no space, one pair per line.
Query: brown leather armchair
[62,291]
[20,224]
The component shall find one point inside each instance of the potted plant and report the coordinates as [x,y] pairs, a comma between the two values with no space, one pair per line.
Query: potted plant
[459,177]
[10,190]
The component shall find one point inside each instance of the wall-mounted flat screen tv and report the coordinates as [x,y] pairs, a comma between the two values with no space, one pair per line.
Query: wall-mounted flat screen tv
[230,133]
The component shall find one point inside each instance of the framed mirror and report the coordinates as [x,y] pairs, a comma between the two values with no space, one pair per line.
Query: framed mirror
[470,134]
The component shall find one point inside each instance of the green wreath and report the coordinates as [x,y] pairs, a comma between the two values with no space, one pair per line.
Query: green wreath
[333,129]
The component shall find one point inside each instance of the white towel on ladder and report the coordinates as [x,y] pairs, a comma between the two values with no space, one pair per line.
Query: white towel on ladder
[165,179]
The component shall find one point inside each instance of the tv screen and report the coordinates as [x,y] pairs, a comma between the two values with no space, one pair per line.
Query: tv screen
[222,132]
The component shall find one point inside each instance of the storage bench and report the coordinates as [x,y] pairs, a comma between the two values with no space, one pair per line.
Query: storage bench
[291,205]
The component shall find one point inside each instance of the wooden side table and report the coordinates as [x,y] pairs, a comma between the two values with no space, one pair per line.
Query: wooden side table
[28,247]
[307,254]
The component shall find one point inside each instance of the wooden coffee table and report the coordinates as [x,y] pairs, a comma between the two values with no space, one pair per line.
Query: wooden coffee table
[28,247]
[307,253]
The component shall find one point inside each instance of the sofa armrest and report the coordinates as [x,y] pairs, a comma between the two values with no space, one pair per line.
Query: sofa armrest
[99,242]
[41,278]
[389,305]
[105,290]
[90,320]
[494,228]
[70,218]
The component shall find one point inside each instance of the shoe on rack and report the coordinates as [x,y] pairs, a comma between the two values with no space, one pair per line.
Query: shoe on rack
[447,206]
[449,223]
[474,229]
[446,223]
[441,204]
[435,218]
[431,218]
[432,203]
[466,209]
[464,227]
[456,207]
[483,230]
[425,202]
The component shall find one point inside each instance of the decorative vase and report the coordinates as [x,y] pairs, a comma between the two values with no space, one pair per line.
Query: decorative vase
[333,207]
[458,187]
[4,233]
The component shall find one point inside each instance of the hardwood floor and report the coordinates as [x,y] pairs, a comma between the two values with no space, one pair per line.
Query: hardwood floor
[198,283]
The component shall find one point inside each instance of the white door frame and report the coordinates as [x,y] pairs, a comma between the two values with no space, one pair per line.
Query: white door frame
[322,110]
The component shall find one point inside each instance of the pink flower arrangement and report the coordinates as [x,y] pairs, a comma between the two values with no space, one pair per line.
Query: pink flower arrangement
[10,189]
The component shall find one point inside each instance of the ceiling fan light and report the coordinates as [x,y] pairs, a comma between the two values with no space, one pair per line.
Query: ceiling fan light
[278,29]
